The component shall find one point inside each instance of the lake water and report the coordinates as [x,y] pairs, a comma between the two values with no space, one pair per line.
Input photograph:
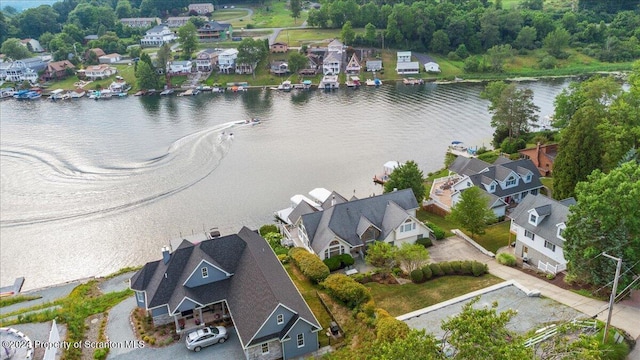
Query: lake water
[88,187]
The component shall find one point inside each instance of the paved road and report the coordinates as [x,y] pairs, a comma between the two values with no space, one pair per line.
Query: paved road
[624,317]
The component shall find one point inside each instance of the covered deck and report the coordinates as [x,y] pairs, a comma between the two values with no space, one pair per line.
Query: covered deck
[210,315]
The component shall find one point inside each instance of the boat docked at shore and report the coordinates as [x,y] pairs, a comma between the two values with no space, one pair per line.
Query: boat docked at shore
[76,94]
[6,93]
[412,81]
[388,168]
[285,86]
[189,92]
[329,82]
[375,82]
[353,82]
[27,95]
[166,92]
[58,94]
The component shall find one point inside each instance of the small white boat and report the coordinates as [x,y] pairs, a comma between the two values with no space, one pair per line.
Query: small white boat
[76,94]
[374,82]
[57,94]
[189,92]
[353,82]
[285,86]
[6,93]
[167,92]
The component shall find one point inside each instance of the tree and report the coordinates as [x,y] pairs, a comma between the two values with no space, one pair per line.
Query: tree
[14,49]
[407,176]
[605,219]
[526,38]
[297,62]
[472,212]
[370,34]
[296,7]
[440,42]
[416,345]
[481,333]
[381,255]
[123,9]
[146,76]
[556,41]
[497,56]
[188,38]
[163,56]
[411,257]
[251,52]
[513,109]
[347,34]
[36,21]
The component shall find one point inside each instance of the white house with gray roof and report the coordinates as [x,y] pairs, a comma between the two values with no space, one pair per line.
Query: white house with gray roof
[340,226]
[234,278]
[505,181]
[538,222]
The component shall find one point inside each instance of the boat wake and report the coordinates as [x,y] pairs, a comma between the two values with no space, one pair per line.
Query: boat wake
[67,189]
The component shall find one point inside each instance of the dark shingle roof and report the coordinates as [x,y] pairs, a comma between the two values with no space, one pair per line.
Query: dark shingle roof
[556,213]
[467,166]
[501,172]
[214,25]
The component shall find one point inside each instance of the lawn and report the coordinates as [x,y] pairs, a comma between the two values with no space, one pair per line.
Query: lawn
[401,299]
[224,15]
[276,14]
[441,222]
[126,71]
[313,36]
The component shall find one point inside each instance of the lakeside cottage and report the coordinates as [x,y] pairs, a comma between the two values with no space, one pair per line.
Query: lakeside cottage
[236,279]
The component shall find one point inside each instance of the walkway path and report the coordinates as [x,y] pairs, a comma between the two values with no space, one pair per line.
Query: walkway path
[624,317]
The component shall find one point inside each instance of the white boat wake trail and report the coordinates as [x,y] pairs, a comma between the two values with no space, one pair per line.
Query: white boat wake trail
[67,189]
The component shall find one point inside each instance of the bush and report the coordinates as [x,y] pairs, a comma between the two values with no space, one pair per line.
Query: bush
[466,268]
[426,242]
[506,259]
[511,146]
[436,269]
[269,228]
[426,272]
[446,268]
[284,258]
[101,354]
[417,276]
[453,56]
[333,263]
[438,232]
[478,268]
[309,264]
[389,329]
[347,290]
[347,260]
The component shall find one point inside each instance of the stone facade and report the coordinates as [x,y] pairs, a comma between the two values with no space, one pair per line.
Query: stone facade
[275,351]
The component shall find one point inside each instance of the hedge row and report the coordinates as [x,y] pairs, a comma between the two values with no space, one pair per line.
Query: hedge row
[309,264]
[437,231]
[426,242]
[466,267]
[339,262]
[347,290]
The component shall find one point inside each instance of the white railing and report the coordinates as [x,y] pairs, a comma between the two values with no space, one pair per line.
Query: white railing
[554,269]
[551,330]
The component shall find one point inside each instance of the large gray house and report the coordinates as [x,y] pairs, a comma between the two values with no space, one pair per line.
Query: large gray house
[235,278]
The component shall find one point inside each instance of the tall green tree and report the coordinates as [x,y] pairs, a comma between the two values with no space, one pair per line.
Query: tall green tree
[123,9]
[407,176]
[370,33]
[296,8]
[497,55]
[188,38]
[14,49]
[146,76]
[417,344]
[526,38]
[163,56]
[556,41]
[472,212]
[512,108]
[381,255]
[605,219]
[297,62]
[411,256]
[347,34]
[440,42]
[251,51]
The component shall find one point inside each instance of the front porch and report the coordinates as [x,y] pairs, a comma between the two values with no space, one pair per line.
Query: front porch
[211,315]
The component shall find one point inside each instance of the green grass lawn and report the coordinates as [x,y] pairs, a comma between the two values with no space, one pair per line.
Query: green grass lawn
[443,223]
[310,37]
[224,15]
[276,14]
[401,299]
[126,71]
[548,182]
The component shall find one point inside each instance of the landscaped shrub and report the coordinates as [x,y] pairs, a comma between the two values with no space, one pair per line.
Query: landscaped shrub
[446,268]
[417,276]
[426,242]
[478,268]
[437,231]
[389,329]
[426,272]
[456,266]
[347,290]
[506,259]
[362,278]
[284,258]
[436,269]
[347,260]
[333,263]
[466,268]
[268,228]
[309,264]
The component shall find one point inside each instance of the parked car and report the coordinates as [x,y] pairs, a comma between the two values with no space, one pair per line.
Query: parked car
[206,336]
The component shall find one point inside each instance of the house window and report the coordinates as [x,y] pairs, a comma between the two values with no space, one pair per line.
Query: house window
[549,245]
[280,319]
[492,188]
[300,340]
[205,272]
[407,226]
[534,192]
[334,249]
[140,296]
[528,177]
[511,181]
[265,348]
[529,234]
[533,219]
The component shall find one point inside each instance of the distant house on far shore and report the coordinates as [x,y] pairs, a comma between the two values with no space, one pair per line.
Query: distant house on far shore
[432,67]
[201,9]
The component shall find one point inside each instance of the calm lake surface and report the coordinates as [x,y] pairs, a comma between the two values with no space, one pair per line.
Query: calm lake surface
[88,187]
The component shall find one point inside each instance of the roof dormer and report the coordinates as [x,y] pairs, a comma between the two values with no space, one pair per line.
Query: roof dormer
[204,273]
[536,215]
[561,227]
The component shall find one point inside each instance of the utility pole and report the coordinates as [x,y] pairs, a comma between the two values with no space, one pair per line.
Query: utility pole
[613,294]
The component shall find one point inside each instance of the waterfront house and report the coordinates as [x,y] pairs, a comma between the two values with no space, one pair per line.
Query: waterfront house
[234,280]
[18,71]
[313,64]
[227,60]
[432,66]
[353,66]
[201,9]
[405,65]
[335,46]
[58,70]
[158,36]
[337,226]
[110,58]
[179,21]
[279,47]
[505,181]
[140,22]
[97,72]
[279,67]
[207,59]
[215,31]
[179,67]
[32,44]
[332,63]
[538,222]
[243,68]
[374,65]
[542,157]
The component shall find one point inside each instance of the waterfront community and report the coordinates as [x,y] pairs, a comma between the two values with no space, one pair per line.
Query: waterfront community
[238,199]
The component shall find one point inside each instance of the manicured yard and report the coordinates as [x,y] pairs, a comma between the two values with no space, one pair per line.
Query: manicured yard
[311,36]
[443,223]
[126,71]
[548,182]
[276,14]
[224,15]
[401,299]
